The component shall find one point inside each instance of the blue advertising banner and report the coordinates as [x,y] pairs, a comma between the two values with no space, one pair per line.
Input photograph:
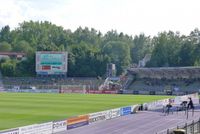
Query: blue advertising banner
[77,125]
[125,111]
[33,90]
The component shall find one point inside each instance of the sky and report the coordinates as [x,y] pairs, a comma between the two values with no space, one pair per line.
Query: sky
[131,17]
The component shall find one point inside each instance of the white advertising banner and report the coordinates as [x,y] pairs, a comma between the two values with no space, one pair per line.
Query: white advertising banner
[11,131]
[179,99]
[113,113]
[157,104]
[93,117]
[44,128]
[59,126]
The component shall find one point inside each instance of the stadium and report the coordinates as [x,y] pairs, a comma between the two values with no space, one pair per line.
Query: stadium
[132,75]
[51,102]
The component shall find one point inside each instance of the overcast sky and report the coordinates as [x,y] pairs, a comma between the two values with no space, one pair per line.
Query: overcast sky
[128,16]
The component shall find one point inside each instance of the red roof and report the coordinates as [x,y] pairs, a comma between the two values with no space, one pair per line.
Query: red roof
[12,53]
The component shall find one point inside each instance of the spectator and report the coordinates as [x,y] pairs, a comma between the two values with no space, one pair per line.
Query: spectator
[190,104]
[168,106]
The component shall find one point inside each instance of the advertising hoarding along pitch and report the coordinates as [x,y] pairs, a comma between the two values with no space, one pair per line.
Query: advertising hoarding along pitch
[44,128]
[59,126]
[93,117]
[11,131]
[78,121]
[179,99]
[73,89]
[125,111]
[101,91]
[159,104]
[113,113]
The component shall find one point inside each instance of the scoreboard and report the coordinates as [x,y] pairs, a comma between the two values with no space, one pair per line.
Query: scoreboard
[51,62]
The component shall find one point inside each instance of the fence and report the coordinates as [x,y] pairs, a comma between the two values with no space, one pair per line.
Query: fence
[192,128]
[73,122]
[188,128]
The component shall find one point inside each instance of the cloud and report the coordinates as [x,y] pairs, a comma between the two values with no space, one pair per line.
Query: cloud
[128,16]
[14,12]
[10,14]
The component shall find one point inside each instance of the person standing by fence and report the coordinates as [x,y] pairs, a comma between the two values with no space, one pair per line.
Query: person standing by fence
[190,104]
[168,106]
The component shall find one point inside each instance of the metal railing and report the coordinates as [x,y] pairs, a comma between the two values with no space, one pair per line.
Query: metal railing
[188,128]
[192,128]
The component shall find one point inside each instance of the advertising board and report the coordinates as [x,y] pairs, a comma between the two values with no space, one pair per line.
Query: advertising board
[101,91]
[157,104]
[78,121]
[93,117]
[11,131]
[179,99]
[113,113]
[125,111]
[73,89]
[51,62]
[110,91]
[34,90]
[59,126]
[94,91]
[44,128]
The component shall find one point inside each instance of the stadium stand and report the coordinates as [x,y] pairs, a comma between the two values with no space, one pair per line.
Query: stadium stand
[49,82]
[165,79]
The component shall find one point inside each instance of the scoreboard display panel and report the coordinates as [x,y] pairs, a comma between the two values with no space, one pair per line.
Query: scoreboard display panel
[51,62]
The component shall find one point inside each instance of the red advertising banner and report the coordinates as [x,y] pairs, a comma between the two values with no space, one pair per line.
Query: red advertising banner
[46,67]
[73,89]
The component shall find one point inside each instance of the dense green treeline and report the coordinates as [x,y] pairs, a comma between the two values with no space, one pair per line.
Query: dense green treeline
[90,50]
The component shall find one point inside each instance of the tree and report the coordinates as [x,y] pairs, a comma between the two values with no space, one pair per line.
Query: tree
[197,62]
[23,46]
[5,46]
[89,36]
[43,35]
[90,51]
[8,68]
[141,46]
[166,49]
[81,65]
[185,54]
[119,53]
[26,67]
[5,34]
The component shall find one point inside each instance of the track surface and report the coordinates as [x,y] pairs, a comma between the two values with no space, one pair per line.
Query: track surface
[144,122]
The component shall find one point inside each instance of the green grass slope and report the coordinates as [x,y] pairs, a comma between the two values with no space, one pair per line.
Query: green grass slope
[20,109]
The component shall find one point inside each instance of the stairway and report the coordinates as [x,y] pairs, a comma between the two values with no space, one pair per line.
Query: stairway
[128,82]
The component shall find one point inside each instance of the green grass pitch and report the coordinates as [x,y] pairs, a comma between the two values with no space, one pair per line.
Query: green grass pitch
[20,109]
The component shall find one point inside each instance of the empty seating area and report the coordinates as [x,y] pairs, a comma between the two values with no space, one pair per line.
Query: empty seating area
[49,83]
[164,85]
[167,72]
[176,79]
